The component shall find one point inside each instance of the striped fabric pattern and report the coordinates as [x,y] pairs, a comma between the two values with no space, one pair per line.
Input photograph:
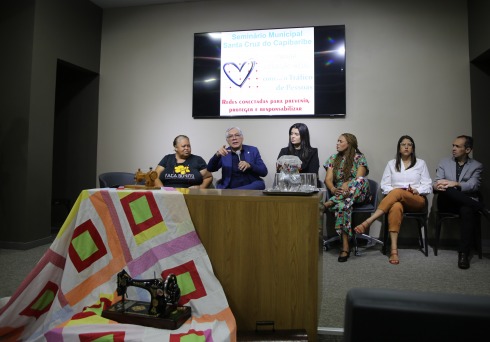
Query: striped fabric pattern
[147,233]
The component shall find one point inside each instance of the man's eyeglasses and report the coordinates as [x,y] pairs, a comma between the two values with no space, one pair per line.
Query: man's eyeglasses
[406,145]
[233,136]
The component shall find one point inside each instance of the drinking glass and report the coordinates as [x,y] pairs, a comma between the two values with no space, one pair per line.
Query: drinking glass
[308,181]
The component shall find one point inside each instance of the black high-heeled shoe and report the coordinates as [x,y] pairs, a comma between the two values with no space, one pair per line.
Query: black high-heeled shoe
[344,258]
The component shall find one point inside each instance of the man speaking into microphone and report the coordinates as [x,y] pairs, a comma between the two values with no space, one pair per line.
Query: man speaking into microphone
[242,166]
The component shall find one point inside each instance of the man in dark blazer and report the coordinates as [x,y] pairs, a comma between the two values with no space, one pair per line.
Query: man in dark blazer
[242,166]
[457,183]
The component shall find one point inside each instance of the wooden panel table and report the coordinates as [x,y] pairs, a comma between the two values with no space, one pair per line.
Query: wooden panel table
[266,252]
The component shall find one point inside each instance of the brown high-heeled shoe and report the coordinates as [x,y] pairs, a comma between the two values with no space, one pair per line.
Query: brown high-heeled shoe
[362,228]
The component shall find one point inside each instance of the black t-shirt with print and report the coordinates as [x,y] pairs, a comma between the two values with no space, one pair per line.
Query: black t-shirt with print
[182,175]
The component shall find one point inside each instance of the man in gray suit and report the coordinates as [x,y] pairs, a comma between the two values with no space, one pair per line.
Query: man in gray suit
[457,183]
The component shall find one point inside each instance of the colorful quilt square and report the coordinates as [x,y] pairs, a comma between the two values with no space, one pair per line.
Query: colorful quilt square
[111,336]
[86,246]
[143,215]
[189,280]
[192,336]
[42,302]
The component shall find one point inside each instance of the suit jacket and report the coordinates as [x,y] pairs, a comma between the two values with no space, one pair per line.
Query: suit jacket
[470,177]
[249,154]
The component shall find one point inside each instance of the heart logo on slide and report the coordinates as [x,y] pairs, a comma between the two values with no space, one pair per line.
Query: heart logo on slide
[238,75]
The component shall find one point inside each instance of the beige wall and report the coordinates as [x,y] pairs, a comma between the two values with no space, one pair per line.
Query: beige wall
[407,73]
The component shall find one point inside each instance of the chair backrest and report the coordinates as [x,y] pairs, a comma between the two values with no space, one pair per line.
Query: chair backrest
[369,206]
[432,316]
[116,179]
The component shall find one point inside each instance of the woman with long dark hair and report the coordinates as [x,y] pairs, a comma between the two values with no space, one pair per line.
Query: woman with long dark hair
[406,182]
[345,180]
[299,146]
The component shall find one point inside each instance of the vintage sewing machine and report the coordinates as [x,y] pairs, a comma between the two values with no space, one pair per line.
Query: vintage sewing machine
[161,312]
[147,177]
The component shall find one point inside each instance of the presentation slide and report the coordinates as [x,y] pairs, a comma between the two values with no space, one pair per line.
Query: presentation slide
[268,72]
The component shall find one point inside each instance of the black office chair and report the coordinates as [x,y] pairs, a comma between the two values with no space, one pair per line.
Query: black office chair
[368,207]
[443,216]
[382,315]
[422,222]
[116,179]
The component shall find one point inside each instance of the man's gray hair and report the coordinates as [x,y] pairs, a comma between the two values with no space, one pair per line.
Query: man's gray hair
[234,127]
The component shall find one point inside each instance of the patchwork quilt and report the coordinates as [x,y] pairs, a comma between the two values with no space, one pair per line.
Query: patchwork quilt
[147,233]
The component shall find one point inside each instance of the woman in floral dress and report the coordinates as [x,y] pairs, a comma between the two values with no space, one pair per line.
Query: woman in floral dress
[345,179]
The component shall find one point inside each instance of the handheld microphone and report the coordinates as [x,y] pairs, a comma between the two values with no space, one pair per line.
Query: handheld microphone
[238,154]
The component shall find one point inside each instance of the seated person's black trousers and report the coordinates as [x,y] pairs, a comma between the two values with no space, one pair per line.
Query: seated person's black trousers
[454,201]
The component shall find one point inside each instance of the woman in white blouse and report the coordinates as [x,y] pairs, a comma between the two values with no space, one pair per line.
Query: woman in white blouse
[405,183]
